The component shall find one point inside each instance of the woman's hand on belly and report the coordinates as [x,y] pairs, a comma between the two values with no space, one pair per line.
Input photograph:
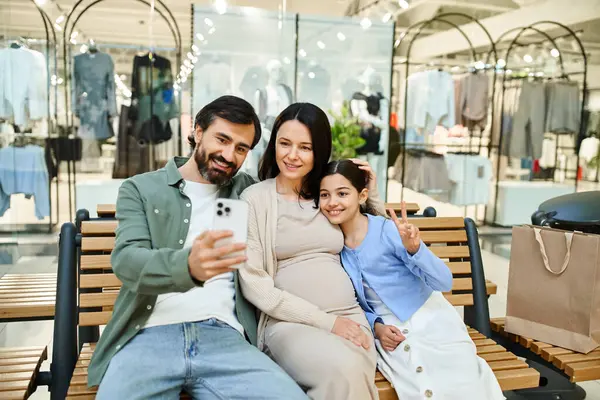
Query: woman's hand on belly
[350,330]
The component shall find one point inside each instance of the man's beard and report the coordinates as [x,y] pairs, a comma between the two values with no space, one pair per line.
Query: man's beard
[213,175]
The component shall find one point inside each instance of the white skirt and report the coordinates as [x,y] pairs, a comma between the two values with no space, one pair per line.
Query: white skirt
[438,359]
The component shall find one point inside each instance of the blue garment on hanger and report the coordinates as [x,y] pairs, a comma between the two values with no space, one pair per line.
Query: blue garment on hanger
[23,170]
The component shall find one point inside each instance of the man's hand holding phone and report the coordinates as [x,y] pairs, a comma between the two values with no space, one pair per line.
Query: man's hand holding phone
[207,261]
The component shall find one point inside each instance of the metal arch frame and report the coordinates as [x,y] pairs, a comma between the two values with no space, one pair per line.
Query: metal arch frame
[172,24]
[512,45]
[423,25]
[67,31]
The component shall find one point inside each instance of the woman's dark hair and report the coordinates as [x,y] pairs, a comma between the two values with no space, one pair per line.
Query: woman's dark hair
[357,177]
[317,123]
[230,108]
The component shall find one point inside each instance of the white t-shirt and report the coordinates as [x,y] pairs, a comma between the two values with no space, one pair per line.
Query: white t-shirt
[216,299]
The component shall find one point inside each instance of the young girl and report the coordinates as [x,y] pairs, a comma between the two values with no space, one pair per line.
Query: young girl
[424,348]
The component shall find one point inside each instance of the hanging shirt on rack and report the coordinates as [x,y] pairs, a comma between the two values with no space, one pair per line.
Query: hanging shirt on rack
[23,170]
[430,102]
[527,134]
[563,107]
[23,85]
[153,100]
[470,175]
[94,97]
[474,89]
[425,172]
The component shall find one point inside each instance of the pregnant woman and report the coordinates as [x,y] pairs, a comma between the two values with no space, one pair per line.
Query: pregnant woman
[311,323]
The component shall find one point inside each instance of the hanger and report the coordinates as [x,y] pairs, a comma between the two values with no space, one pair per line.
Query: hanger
[17,43]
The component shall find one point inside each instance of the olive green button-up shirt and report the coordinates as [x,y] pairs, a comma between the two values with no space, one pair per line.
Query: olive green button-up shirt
[149,258]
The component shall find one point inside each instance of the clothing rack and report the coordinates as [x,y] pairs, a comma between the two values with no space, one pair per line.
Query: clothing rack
[418,28]
[79,9]
[20,139]
[564,75]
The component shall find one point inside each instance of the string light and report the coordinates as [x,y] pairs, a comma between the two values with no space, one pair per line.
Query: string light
[341,37]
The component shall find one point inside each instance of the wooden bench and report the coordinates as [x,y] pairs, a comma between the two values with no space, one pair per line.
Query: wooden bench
[449,238]
[577,367]
[26,297]
[19,369]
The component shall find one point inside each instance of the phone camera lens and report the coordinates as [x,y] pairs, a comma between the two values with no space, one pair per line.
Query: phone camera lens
[227,209]
[220,205]
[219,213]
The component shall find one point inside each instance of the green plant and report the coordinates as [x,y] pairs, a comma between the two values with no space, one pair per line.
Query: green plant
[345,134]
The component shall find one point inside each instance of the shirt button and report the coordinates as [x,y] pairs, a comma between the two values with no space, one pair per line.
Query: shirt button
[181,185]
[137,327]
[118,347]
[188,205]
[156,211]
[180,241]
[404,331]
[419,370]
[186,220]
[148,307]
[407,347]
[428,393]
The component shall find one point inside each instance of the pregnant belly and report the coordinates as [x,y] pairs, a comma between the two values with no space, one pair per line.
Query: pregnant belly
[319,280]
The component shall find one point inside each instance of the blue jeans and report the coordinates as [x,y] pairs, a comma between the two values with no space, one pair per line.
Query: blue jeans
[208,360]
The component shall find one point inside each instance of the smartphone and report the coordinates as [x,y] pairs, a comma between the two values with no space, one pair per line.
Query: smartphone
[231,215]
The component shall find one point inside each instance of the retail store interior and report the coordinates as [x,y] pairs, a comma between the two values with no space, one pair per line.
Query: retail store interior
[478,108]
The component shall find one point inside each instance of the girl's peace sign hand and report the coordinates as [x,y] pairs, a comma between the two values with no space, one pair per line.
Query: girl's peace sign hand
[411,238]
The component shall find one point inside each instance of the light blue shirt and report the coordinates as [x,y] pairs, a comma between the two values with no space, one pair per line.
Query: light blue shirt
[403,282]
[23,170]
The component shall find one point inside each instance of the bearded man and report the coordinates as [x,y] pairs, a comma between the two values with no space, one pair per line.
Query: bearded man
[180,322]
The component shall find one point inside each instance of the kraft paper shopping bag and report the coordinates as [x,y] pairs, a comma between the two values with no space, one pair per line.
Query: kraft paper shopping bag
[554,287]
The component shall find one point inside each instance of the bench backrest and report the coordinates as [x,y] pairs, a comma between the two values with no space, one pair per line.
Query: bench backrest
[446,237]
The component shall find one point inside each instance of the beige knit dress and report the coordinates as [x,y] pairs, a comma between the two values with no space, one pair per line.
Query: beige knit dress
[308,266]
[294,275]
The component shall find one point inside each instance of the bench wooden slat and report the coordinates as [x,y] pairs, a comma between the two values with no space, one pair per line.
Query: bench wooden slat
[548,354]
[97,299]
[94,318]
[450,251]
[15,376]
[106,210]
[561,361]
[97,243]
[438,223]
[459,267]
[410,207]
[91,281]
[583,371]
[101,261]
[508,365]
[454,236]
[27,310]
[490,357]
[108,227]
[490,349]
[518,378]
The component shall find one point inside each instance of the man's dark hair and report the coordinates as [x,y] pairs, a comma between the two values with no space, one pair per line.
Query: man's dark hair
[230,108]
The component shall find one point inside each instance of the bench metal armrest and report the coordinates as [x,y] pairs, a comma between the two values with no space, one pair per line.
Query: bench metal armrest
[477,316]
[65,351]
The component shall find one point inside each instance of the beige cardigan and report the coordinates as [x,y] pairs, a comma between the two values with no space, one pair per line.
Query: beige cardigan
[257,276]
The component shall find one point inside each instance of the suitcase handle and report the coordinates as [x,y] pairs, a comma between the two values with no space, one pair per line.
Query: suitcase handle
[568,241]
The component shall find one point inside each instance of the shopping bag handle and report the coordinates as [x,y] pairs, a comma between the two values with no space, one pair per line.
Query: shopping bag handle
[568,240]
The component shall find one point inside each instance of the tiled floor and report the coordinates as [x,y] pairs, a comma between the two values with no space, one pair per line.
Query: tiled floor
[40,333]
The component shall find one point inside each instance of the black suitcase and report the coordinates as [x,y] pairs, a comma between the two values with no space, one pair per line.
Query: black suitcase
[572,212]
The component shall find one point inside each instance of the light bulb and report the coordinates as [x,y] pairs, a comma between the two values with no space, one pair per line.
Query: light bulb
[403,3]
[341,37]
[555,53]
[386,17]
[527,58]
[366,23]
[321,45]
[221,6]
